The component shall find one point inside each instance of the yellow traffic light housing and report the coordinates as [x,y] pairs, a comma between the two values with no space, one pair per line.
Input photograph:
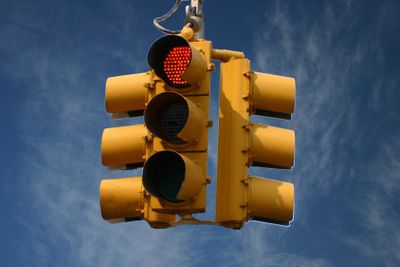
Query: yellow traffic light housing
[242,144]
[127,95]
[171,146]
[122,199]
[270,200]
[272,95]
[177,116]
[124,147]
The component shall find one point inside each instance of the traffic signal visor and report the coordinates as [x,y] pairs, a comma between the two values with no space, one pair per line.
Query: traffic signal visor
[127,94]
[272,95]
[123,147]
[122,199]
[171,176]
[174,118]
[176,62]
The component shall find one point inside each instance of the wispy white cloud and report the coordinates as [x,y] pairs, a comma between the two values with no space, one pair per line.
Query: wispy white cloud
[329,69]
[265,246]
[62,119]
[62,171]
[322,65]
[61,122]
[376,206]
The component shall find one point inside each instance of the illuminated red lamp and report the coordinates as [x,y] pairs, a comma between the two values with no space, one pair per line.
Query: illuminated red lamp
[176,62]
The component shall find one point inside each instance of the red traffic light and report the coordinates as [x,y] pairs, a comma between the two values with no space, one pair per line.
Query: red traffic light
[176,62]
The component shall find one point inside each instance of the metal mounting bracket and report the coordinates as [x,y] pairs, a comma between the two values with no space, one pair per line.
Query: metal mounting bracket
[195,18]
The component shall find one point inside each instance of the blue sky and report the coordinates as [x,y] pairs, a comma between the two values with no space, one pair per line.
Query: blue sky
[54,59]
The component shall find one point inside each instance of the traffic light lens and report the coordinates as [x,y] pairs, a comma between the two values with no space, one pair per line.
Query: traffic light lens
[163,175]
[173,119]
[169,57]
[176,63]
[166,115]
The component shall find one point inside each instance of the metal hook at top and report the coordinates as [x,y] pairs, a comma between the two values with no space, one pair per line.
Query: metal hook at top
[194,18]
[156,21]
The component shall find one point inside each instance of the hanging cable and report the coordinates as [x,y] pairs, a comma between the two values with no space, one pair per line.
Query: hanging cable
[156,21]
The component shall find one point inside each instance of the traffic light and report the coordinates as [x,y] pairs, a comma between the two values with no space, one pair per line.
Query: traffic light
[171,145]
[242,144]
[177,116]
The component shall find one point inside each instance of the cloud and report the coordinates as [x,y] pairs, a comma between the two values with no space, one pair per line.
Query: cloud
[62,117]
[333,63]
[60,124]
[62,169]
[376,208]
[313,53]
[328,56]
[266,247]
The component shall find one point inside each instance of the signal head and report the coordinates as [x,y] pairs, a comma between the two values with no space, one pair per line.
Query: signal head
[177,63]
[174,118]
[164,174]
[171,176]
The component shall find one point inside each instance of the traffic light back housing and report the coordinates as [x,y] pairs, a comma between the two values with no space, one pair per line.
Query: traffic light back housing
[242,144]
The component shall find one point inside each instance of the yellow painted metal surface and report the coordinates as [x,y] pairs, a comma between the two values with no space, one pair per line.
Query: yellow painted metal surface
[187,33]
[127,92]
[241,144]
[123,145]
[197,202]
[202,55]
[225,55]
[122,199]
[271,200]
[193,178]
[126,199]
[195,133]
[156,219]
[197,67]
[273,93]
[196,121]
[272,146]
[233,144]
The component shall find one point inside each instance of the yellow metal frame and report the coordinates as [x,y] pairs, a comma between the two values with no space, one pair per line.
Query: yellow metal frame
[195,151]
[123,145]
[122,199]
[127,93]
[272,93]
[241,197]
[233,144]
